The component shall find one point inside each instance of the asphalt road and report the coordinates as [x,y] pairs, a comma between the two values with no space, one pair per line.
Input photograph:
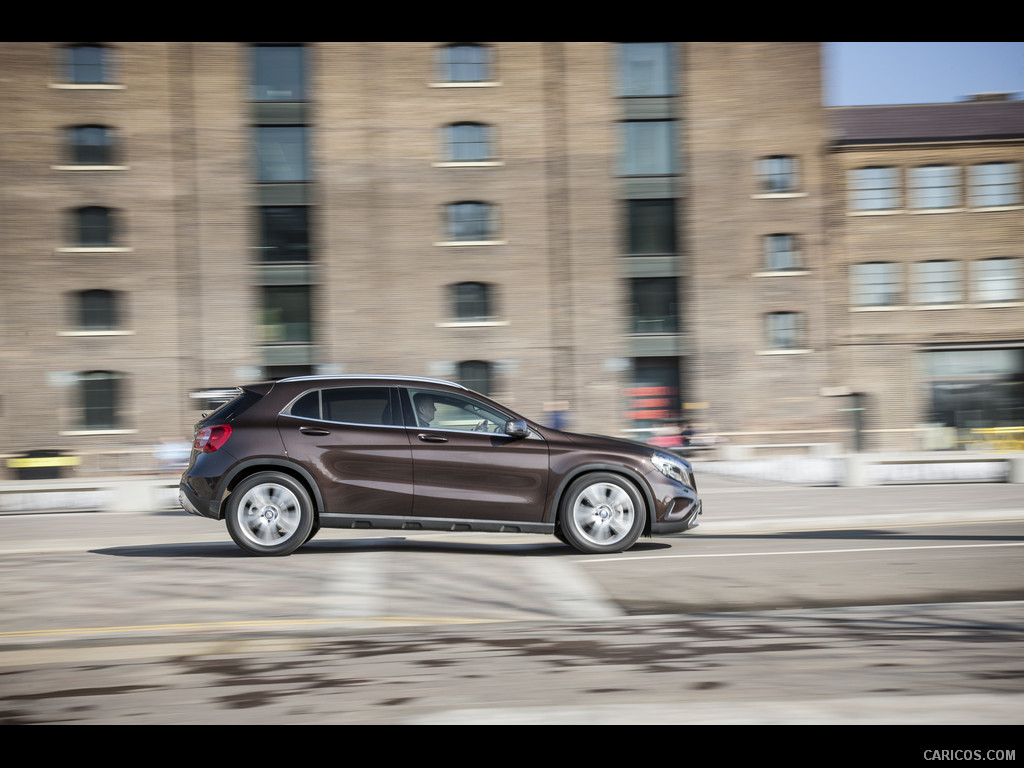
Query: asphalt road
[788,605]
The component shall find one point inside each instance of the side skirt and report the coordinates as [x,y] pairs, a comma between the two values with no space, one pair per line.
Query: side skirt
[388,523]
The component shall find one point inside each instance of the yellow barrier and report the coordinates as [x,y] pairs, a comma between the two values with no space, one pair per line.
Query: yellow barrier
[1001,438]
[44,461]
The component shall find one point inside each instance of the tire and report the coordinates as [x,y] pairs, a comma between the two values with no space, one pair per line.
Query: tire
[602,513]
[270,514]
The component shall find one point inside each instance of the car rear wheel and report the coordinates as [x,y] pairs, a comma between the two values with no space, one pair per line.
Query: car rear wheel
[602,513]
[270,513]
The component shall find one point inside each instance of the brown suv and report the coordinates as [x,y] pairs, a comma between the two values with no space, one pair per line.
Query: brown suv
[283,459]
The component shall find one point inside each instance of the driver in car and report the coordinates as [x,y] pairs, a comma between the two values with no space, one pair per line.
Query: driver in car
[425,409]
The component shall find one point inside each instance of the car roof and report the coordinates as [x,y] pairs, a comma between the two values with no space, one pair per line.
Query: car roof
[371,377]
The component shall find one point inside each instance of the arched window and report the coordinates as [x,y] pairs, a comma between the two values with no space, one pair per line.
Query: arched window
[465,63]
[472,301]
[90,145]
[784,330]
[93,227]
[938,282]
[96,310]
[778,174]
[87,64]
[468,142]
[470,220]
[781,252]
[476,375]
[876,284]
[873,188]
[996,280]
[935,186]
[994,184]
[99,395]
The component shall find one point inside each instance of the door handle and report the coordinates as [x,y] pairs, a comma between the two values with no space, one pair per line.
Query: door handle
[314,431]
[432,438]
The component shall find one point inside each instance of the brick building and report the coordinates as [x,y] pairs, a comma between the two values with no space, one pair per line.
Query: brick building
[926,258]
[623,231]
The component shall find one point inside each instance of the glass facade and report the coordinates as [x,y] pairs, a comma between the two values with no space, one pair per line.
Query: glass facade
[284,233]
[645,69]
[278,73]
[976,389]
[648,148]
[651,227]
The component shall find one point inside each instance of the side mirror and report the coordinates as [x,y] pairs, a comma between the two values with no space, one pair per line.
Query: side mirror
[517,428]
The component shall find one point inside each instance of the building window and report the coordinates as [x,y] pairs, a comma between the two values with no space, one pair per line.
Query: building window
[99,395]
[784,330]
[648,148]
[90,145]
[465,63]
[934,187]
[284,233]
[471,301]
[645,69]
[476,375]
[655,305]
[287,318]
[96,310]
[87,64]
[281,153]
[777,174]
[467,142]
[994,184]
[876,284]
[651,226]
[470,221]
[278,73]
[94,227]
[996,280]
[873,189]
[938,282]
[781,252]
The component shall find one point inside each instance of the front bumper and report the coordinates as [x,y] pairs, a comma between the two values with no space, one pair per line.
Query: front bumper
[682,517]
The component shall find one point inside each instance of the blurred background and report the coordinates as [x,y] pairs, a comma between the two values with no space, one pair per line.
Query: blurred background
[638,239]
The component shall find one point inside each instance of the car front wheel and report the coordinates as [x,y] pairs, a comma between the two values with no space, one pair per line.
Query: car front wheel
[270,513]
[602,513]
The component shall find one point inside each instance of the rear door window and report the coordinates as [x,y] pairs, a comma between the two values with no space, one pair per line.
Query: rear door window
[348,405]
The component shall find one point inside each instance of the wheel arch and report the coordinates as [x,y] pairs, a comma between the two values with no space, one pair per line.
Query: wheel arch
[251,467]
[631,475]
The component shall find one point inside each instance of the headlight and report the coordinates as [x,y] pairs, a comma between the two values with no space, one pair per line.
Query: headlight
[671,468]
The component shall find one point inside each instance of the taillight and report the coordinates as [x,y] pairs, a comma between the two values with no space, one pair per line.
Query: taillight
[209,439]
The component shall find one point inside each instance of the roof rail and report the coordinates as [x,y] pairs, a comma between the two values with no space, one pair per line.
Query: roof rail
[387,377]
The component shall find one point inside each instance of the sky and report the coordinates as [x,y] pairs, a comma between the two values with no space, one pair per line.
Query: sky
[920,73]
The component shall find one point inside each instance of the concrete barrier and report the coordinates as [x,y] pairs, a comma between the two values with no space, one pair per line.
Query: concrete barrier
[118,494]
[858,465]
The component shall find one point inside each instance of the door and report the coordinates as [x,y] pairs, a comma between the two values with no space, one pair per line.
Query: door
[465,466]
[352,440]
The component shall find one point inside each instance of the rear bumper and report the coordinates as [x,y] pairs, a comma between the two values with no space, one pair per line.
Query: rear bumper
[194,505]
